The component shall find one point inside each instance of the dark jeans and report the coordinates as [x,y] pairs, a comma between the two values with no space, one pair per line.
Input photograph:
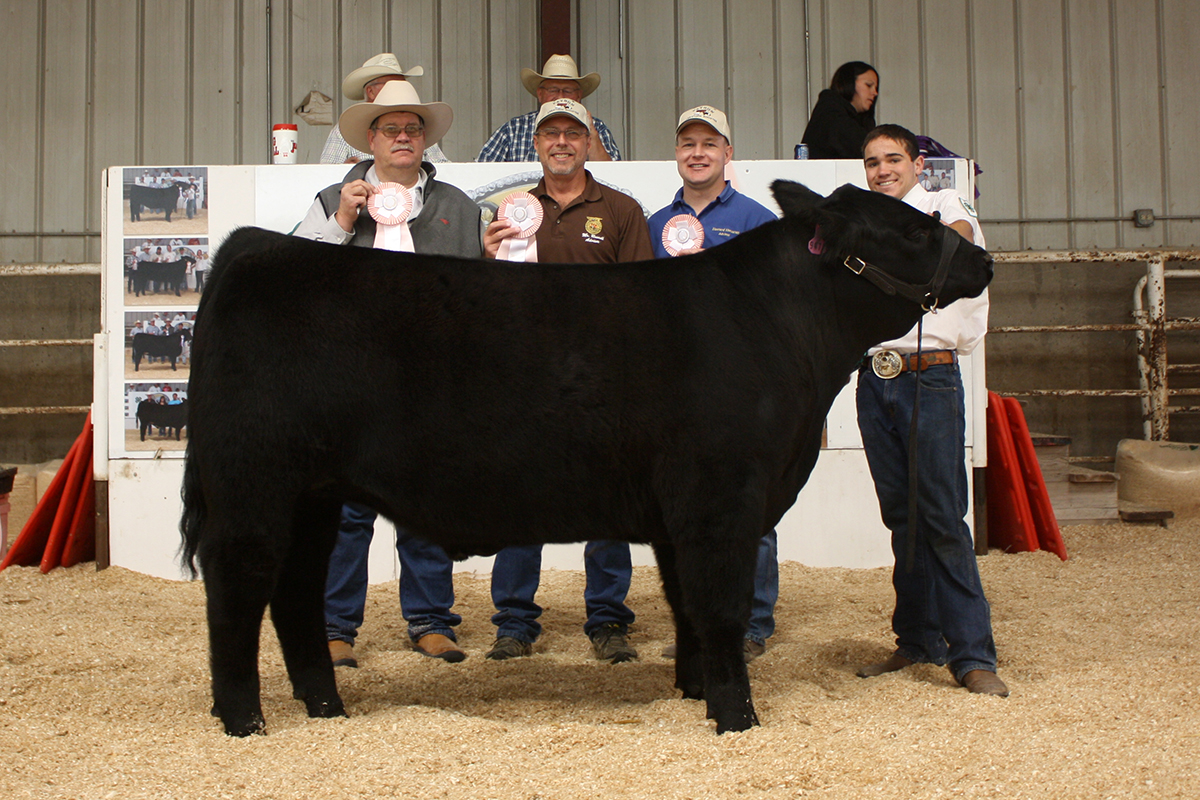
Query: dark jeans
[426,580]
[516,574]
[941,613]
[766,590]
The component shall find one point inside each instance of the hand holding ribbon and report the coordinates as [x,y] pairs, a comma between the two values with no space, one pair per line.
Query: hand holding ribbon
[522,211]
[390,208]
[682,233]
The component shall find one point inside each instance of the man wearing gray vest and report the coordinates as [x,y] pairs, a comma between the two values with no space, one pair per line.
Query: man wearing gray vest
[395,128]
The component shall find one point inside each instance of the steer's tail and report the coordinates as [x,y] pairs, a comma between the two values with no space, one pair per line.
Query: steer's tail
[194,512]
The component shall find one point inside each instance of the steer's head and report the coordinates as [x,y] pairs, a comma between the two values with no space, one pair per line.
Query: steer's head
[887,242]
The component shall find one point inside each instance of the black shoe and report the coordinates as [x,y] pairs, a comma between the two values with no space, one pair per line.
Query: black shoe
[507,647]
[609,644]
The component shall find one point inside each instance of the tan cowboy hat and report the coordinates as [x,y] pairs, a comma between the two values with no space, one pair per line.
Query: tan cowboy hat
[560,68]
[375,67]
[394,96]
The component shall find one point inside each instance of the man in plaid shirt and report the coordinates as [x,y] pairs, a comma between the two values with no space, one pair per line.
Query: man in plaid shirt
[513,141]
[363,84]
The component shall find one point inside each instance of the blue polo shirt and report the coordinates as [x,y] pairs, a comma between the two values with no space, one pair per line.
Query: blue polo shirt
[727,216]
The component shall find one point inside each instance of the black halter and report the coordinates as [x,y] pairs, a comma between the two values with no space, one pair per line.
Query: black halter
[925,295]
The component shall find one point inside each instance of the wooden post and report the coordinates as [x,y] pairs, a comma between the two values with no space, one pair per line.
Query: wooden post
[556,29]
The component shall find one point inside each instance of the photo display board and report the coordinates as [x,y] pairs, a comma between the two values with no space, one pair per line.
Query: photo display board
[163,225]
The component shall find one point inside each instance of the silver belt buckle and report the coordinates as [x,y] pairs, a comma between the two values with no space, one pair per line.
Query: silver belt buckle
[887,364]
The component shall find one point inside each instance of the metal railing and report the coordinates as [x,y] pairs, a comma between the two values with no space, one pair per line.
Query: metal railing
[1150,324]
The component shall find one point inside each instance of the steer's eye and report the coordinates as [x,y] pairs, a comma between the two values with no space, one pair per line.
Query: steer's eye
[917,234]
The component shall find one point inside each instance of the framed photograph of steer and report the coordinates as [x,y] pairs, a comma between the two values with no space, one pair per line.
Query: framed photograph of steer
[158,344]
[161,270]
[156,416]
[164,201]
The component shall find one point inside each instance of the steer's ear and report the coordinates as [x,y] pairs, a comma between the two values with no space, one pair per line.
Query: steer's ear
[795,199]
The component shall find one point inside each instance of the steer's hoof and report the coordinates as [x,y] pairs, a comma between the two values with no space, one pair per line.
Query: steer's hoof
[255,725]
[326,709]
[739,724]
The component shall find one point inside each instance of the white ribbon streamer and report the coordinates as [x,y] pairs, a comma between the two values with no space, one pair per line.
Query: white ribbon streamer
[522,211]
[682,232]
[390,207]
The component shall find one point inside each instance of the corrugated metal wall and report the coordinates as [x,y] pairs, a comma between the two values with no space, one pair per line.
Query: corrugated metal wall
[1079,110]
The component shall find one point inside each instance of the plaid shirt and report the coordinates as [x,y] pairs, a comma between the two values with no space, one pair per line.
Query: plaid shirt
[338,151]
[513,141]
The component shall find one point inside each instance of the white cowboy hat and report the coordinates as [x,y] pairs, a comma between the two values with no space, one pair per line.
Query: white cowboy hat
[394,96]
[560,68]
[375,67]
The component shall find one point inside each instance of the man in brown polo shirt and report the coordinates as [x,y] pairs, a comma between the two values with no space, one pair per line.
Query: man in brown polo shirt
[584,223]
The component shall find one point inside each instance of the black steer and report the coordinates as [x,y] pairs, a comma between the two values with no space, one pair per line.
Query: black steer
[676,402]
[164,417]
[164,199]
[168,346]
[169,275]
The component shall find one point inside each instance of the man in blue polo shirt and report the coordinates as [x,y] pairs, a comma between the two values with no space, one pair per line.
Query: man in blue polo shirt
[702,149]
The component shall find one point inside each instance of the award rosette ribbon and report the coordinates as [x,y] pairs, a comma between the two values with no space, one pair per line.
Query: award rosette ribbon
[390,207]
[522,211]
[682,232]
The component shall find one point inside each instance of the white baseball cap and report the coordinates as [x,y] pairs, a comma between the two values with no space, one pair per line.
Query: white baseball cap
[562,107]
[712,117]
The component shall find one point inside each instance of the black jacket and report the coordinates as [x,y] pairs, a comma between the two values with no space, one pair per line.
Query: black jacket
[836,129]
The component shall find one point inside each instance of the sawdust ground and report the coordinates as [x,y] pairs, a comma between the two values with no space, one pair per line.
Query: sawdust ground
[103,694]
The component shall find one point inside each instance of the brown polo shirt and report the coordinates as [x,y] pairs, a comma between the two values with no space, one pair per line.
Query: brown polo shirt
[601,226]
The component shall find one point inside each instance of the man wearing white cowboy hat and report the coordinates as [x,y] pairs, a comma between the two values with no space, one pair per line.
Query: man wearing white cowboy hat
[395,128]
[513,141]
[364,83]
[584,222]
[703,148]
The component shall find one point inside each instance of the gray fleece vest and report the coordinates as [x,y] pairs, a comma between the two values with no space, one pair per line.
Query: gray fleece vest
[448,224]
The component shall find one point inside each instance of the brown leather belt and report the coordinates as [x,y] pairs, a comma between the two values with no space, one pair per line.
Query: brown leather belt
[888,364]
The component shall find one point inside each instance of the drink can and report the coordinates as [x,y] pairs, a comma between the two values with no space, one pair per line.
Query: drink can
[802,152]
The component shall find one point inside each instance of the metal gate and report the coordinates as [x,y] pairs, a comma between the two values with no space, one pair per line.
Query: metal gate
[1150,324]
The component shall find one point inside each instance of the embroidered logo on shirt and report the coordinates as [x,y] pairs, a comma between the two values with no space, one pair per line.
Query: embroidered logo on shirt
[970,209]
[594,226]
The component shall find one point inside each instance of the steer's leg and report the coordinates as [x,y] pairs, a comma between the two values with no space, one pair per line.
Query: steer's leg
[716,565]
[689,670]
[239,575]
[298,607]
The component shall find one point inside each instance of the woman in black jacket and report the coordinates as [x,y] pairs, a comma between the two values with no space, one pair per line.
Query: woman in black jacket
[844,113]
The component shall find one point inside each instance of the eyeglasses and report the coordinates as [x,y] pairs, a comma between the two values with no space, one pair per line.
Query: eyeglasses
[572,134]
[412,130]
[572,92]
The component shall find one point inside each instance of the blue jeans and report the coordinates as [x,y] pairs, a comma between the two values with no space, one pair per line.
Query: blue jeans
[516,574]
[941,616]
[766,590]
[426,580]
